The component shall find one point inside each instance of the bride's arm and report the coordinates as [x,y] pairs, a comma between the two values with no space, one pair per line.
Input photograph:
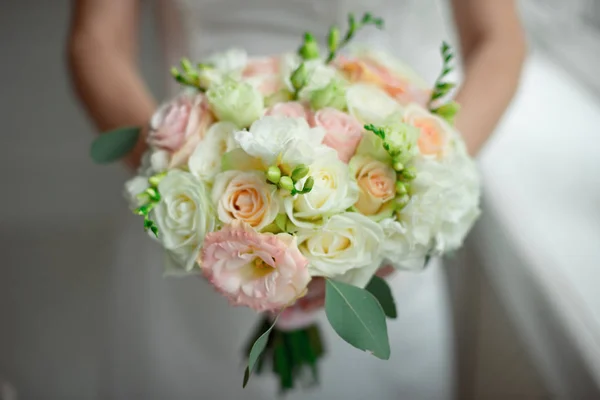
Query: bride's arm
[102,50]
[493,50]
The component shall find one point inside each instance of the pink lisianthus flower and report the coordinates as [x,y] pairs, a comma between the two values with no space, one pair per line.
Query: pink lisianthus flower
[343,131]
[263,271]
[290,109]
[178,126]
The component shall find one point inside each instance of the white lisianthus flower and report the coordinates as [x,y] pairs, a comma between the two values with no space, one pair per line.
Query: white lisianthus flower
[184,216]
[205,161]
[344,242]
[444,203]
[397,249]
[230,61]
[247,197]
[369,104]
[334,191]
[286,142]
[237,102]
[133,187]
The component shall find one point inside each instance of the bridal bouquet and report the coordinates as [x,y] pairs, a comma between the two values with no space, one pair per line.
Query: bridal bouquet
[265,174]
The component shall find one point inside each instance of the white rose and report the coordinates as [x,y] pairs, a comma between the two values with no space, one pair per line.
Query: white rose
[344,242]
[283,141]
[369,104]
[184,215]
[159,160]
[245,196]
[334,191]
[238,102]
[444,204]
[230,61]
[205,161]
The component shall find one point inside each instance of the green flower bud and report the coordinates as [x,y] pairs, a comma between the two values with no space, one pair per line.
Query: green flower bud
[333,95]
[401,201]
[286,183]
[448,111]
[310,48]
[154,180]
[143,198]
[308,185]
[398,166]
[333,39]
[153,194]
[186,64]
[273,174]
[299,172]
[299,77]
[400,188]
[409,173]
[401,140]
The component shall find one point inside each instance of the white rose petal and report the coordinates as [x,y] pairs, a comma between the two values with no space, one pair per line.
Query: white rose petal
[184,215]
[290,139]
[159,160]
[230,61]
[344,242]
[133,187]
[205,161]
[334,191]
[369,104]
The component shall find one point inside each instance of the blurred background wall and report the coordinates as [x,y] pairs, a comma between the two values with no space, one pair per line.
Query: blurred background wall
[36,107]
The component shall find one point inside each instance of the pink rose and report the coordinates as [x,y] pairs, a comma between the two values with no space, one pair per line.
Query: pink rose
[290,109]
[260,270]
[261,66]
[179,126]
[343,131]
[263,73]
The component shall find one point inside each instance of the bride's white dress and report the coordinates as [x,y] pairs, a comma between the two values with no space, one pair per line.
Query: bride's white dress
[178,338]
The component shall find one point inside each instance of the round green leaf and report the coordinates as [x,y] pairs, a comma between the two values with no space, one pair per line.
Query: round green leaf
[379,288]
[115,144]
[357,317]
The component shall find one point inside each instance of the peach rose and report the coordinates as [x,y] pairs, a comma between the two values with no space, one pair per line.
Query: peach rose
[262,271]
[370,71]
[376,182]
[291,109]
[245,196]
[178,126]
[263,73]
[434,131]
[343,131]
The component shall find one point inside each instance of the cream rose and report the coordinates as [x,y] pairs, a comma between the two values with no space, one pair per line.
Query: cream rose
[245,196]
[345,242]
[377,186]
[369,104]
[240,103]
[184,215]
[333,192]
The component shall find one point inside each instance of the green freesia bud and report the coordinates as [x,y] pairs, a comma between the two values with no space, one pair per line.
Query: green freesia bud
[273,174]
[310,48]
[333,39]
[333,95]
[401,140]
[398,166]
[448,111]
[143,198]
[299,172]
[401,201]
[409,173]
[286,183]
[155,179]
[187,66]
[308,185]
[299,77]
[153,194]
[400,188]
[352,25]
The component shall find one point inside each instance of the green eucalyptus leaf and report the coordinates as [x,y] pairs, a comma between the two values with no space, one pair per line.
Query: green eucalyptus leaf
[357,317]
[115,144]
[379,288]
[256,351]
